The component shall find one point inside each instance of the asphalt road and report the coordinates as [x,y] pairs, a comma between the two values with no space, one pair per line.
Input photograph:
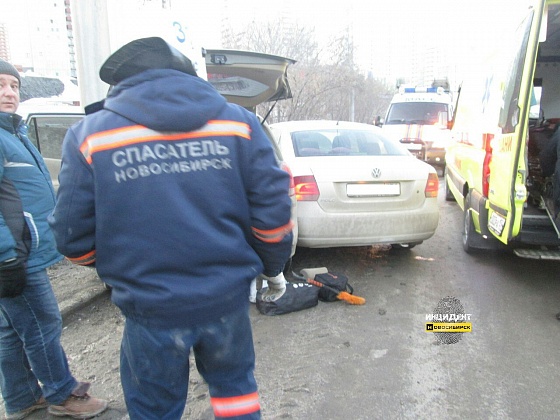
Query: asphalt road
[337,361]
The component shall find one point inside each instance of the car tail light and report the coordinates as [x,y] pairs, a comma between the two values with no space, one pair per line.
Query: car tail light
[292,185]
[432,186]
[487,143]
[306,188]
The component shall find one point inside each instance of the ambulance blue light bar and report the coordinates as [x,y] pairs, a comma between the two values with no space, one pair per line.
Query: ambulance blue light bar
[439,90]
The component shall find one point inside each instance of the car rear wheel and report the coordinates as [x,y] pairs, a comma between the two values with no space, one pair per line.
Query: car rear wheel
[405,245]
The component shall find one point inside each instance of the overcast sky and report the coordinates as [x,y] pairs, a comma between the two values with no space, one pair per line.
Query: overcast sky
[381,28]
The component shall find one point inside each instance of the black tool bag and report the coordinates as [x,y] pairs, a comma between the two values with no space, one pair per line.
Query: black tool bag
[338,282]
[298,296]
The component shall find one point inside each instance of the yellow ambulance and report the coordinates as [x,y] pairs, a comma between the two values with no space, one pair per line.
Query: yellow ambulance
[506,115]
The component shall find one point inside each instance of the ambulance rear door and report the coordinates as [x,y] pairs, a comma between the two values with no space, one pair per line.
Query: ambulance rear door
[508,92]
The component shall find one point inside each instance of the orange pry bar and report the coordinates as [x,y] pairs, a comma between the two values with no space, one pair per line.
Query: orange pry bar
[345,296]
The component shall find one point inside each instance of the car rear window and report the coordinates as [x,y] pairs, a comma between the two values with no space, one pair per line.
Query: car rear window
[344,142]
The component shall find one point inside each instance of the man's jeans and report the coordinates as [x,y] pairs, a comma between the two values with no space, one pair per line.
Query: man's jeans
[30,349]
[155,368]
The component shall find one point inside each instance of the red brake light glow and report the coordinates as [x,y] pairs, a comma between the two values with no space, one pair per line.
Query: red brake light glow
[432,186]
[306,188]
[292,186]
[487,144]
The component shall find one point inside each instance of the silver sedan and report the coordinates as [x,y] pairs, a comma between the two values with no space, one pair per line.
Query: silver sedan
[355,187]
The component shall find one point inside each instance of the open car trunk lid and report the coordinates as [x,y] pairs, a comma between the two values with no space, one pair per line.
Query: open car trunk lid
[248,78]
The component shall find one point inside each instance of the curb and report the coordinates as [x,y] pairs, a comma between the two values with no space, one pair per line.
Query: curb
[80,300]
[75,287]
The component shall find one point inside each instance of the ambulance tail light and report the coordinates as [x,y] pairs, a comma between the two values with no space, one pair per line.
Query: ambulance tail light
[432,186]
[306,188]
[487,145]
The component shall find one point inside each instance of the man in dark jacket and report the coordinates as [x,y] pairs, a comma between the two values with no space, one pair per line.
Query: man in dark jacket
[30,323]
[176,197]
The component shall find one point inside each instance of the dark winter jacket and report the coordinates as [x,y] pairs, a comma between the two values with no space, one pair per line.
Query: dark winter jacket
[176,197]
[550,166]
[26,199]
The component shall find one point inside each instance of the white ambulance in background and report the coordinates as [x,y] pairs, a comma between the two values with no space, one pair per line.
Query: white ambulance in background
[420,118]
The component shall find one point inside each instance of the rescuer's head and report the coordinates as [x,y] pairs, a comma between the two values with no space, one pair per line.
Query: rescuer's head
[143,54]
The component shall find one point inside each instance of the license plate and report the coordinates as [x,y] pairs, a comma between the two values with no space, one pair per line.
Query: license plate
[497,223]
[373,190]
[413,146]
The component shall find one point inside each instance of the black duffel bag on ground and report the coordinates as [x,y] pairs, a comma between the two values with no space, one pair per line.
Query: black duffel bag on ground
[298,296]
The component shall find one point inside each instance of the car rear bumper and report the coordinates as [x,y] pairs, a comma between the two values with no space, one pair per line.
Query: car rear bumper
[318,229]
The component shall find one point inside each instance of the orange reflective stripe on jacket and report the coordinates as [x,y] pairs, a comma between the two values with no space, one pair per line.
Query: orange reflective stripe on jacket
[86,259]
[126,136]
[236,406]
[273,235]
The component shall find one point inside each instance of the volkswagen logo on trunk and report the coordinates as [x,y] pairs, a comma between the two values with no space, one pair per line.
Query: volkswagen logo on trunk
[376,172]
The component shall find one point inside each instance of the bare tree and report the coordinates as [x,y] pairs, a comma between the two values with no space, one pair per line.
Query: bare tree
[325,82]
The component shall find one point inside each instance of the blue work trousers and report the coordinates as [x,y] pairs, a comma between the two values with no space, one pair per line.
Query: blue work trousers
[155,368]
[30,349]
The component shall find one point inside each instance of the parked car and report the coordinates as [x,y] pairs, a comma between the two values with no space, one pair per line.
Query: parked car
[355,187]
[48,121]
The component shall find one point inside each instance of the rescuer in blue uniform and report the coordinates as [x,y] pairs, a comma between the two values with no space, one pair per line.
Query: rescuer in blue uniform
[176,197]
